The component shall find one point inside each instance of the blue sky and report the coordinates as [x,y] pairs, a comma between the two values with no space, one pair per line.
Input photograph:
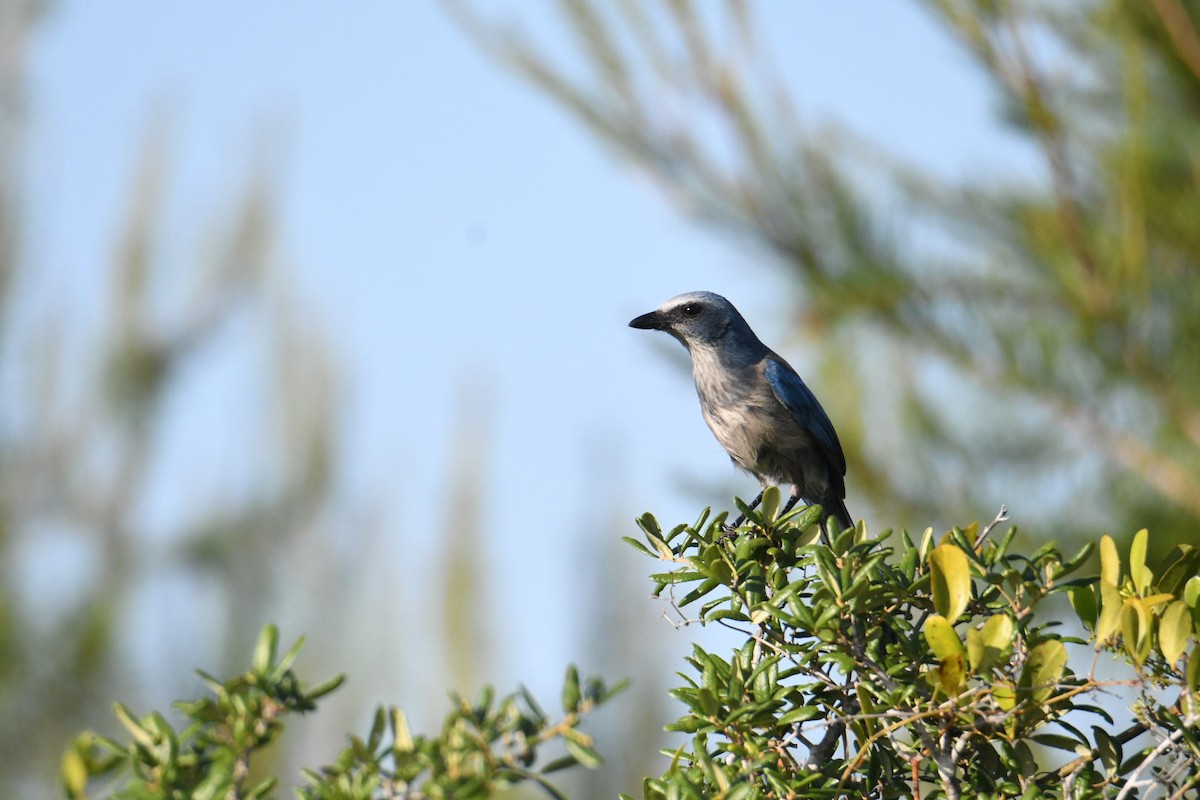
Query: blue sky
[448,230]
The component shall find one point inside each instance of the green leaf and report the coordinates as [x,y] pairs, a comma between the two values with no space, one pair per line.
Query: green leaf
[324,687]
[559,764]
[1076,561]
[378,725]
[843,541]
[649,524]
[637,545]
[1138,571]
[1110,562]
[1108,748]
[1058,741]
[1174,629]
[800,714]
[608,692]
[769,506]
[264,649]
[1193,670]
[949,580]
[678,576]
[263,789]
[828,571]
[570,692]
[1182,563]
[700,591]
[660,546]
[135,728]
[582,752]
[1083,600]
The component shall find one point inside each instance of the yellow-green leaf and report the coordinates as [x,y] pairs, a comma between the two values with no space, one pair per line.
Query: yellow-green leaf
[985,645]
[945,644]
[869,709]
[975,650]
[1157,599]
[1191,591]
[1135,628]
[1043,668]
[583,753]
[949,580]
[943,641]
[1005,695]
[1138,571]
[926,543]
[1110,562]
[74,773]
[952,675]
[1174,628]
[998,632]
[1110,612]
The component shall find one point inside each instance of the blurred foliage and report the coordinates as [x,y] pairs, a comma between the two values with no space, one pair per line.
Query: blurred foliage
[1027,339]
[90,396]
[894,667]
[132,535]
[483,747]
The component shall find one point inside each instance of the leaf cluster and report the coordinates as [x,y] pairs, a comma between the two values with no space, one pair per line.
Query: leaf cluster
[891,666]
[483,747]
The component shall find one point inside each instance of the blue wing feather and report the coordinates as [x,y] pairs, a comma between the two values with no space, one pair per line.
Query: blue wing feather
[790,390]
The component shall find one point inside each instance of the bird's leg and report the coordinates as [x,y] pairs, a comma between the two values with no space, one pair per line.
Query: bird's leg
[792,501]
[737,523]
[829,526]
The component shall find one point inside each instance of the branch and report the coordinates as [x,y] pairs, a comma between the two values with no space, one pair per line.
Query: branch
[1182,32]
[1001,516]
[1131,784]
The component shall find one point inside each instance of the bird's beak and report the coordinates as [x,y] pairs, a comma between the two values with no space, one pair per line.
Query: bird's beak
[649,322]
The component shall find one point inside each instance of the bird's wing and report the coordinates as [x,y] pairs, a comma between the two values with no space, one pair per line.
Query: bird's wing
[790,390]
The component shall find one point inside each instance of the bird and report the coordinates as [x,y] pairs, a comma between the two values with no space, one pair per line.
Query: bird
[756,405]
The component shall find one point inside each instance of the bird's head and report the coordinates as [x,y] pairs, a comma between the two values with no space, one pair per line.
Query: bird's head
[697,319]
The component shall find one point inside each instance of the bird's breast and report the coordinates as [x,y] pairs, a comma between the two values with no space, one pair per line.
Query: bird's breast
[759,433]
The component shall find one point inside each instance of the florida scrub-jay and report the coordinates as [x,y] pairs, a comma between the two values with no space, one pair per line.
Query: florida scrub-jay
[756,405]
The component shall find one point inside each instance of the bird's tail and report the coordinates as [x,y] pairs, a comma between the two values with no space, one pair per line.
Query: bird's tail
[836,510]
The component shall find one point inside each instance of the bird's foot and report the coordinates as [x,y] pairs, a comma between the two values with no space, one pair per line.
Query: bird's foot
[730,530]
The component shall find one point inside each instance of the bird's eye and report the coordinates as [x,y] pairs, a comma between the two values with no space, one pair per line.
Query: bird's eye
[692,309]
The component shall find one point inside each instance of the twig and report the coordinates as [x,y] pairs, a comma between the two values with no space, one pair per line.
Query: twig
[1001,516]
[1182,32]
[1132,783]
[819,756]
